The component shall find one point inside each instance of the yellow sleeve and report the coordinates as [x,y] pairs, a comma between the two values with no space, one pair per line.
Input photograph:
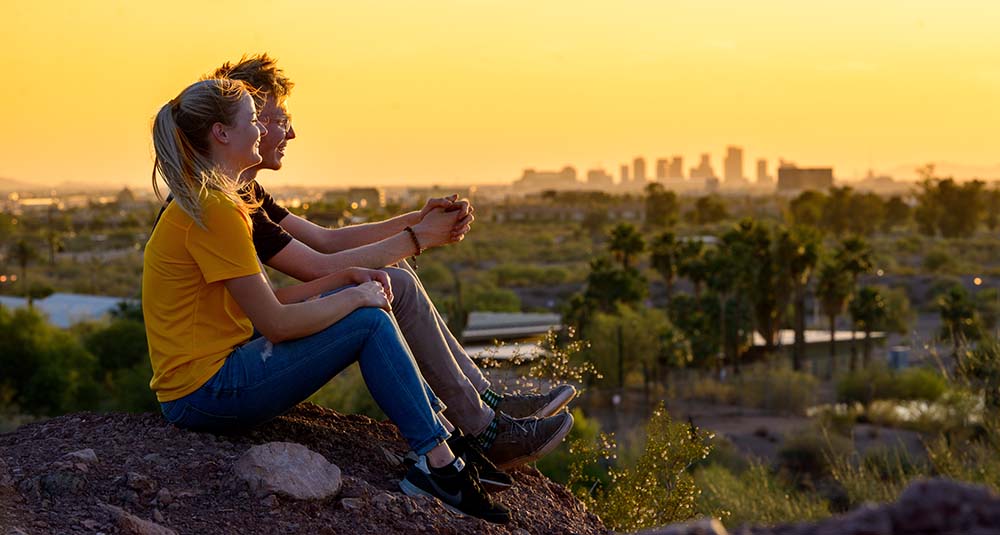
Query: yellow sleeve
[224,248]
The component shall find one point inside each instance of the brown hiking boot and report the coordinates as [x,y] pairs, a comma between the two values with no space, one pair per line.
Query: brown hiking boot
[537,405]
[523,440]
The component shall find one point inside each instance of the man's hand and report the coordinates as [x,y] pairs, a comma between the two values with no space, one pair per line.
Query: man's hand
[438,202]
[358,275]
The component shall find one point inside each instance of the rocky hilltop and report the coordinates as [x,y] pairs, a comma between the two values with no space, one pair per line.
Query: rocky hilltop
[317,471]
[135,473]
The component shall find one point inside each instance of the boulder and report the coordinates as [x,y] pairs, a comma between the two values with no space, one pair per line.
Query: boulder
[134,525]
[289,469]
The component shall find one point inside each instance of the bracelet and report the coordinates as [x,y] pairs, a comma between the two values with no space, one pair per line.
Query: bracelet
[416,243]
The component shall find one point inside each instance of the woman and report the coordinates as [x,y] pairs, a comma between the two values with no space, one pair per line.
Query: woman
[204,294]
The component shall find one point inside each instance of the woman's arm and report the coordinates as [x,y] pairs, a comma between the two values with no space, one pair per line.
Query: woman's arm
[332,281]
[279,322]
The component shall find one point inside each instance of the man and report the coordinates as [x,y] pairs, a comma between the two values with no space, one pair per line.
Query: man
[511,430]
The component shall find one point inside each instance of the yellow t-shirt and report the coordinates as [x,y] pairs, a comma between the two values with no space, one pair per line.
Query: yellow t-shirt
[192,321]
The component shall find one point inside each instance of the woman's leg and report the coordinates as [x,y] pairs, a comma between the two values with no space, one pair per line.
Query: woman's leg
[260,380]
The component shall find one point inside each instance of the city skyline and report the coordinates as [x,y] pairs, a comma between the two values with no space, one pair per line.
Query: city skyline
[473,92]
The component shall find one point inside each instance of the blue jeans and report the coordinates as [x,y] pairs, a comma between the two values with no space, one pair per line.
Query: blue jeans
[260,380]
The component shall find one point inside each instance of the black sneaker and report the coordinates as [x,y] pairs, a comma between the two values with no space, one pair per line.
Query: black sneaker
[456,486]
[490,477]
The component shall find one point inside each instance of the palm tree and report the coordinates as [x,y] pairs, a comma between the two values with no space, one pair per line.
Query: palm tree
[833,288]
[799,248]
[959,319]
[691,264]
[869,311]
[24,253]
[665,257]
[625,243]
[855,257]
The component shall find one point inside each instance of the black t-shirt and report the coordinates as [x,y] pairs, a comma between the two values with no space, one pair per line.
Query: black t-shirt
[268,236]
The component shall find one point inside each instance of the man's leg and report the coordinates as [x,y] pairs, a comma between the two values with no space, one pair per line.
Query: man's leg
[418,321]
[469,368]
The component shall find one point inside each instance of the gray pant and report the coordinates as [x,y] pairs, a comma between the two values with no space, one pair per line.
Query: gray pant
[442,360]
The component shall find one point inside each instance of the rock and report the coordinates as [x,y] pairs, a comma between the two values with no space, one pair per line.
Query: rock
[140,483]
[87,456]
[15,531]
[703,526]
[154,458]
[383,500]
[130,523]
[6,480]
[270,501]
[289,469]
[351,504]
[867,520]
[164,497]
[62,482]
[91,524]
[944,506]
[158,516]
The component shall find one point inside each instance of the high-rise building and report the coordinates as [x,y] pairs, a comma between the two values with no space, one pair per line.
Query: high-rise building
[677,168]
[661,168]
[704,169]
[733,164]
[599,178]
[639,169]
[762,177]
[791,178]
[541,180]
[623,175]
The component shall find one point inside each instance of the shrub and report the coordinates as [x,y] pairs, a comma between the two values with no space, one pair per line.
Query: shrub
[879,477]
[710,390]
[782,390]
[755,496]
[658,489]
[877,382]
[806,454]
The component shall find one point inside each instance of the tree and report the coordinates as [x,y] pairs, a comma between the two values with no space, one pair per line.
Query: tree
[854,256]
[869,312]
[691,263]
[665,257]
[798,249]
[707,210]
[833,287]
[951,209]
[661,206]
[897,213]
[807,208]
[993,208]
[959,319]
[24,254]
[626,242]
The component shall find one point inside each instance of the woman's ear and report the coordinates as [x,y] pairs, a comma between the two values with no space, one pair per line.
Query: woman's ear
[220,133]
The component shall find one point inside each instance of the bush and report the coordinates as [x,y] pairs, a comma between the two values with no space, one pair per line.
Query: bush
[782,390]
[658,489]
[710,390]
[755,496]
[806,454]
[556,465]
[877,382]
[879,477]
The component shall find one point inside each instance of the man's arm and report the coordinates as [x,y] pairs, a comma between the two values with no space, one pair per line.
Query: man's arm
[305,263]
[326,240]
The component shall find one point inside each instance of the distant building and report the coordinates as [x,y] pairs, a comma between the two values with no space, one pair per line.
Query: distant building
[599,178]
[542,180]
[639,170]
[623,175]
[677,168]
[662,166]
[763,179]
[733,164]
[791,178]
[704,169]
[358,197]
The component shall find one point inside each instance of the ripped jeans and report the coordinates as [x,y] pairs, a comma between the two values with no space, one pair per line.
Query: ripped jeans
[260,380]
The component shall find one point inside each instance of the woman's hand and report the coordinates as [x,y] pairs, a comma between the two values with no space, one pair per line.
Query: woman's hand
[437,202]
[359,275]
[371,294]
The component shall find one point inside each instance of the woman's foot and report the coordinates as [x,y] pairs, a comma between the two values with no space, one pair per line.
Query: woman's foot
[456,486]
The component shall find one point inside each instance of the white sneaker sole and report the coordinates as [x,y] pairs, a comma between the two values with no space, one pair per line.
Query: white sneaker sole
[412,490]
[557,403]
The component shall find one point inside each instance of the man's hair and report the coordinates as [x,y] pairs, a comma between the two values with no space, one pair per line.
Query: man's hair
[260,72]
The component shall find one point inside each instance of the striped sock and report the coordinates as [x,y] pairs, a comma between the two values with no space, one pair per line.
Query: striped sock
[487,437]
[491,398]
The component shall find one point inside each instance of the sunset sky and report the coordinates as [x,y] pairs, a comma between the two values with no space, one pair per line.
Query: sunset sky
[453,92]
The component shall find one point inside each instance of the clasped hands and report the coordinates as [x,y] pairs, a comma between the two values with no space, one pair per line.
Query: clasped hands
[447,220]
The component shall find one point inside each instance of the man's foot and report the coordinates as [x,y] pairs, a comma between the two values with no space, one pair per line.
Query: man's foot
[456,486]
[537,405]
[523,440]
[490,477]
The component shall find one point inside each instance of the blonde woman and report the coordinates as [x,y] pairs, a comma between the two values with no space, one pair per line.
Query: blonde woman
[204,294]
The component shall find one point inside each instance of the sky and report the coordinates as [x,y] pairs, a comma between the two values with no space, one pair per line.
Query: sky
[394,92]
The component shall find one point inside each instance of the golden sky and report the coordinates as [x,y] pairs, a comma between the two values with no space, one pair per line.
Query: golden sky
[451,92]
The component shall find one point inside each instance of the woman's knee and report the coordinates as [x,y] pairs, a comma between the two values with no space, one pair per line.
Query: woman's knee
[372,317]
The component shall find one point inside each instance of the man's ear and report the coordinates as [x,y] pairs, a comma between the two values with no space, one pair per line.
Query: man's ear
[220,133]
